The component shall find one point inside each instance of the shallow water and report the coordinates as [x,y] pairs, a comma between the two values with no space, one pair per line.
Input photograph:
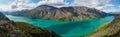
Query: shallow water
[66,29]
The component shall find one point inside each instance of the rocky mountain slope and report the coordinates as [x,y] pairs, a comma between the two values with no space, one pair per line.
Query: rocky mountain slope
[62,14]
[11,29]
[110,30]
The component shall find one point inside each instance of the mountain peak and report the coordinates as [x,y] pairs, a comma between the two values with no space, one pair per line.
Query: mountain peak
[64,13]
[46,7]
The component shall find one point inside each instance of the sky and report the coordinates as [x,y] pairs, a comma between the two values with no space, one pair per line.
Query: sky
[103,5]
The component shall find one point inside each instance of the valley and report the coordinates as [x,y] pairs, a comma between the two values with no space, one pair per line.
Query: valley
[67,29]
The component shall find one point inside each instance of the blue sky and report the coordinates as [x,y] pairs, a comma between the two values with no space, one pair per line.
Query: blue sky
[116,2]
[104,5]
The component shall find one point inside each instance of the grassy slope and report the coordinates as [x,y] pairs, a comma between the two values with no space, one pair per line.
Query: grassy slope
[108,29]
[34,31]
[102,27]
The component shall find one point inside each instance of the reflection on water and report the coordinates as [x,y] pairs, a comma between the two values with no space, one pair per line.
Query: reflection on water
[76,28]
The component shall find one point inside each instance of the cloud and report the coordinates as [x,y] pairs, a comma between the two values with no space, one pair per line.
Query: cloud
[99,4]
[22,4]
[102,7]
[112,9]
[56,3]
[18,5]
[28,4]
[5,7]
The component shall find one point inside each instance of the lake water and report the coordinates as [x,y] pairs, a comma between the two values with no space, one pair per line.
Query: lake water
[66,29]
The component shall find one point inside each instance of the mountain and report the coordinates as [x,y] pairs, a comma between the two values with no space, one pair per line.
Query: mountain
[114,13]
[110,30]
[18,29]
[62,14]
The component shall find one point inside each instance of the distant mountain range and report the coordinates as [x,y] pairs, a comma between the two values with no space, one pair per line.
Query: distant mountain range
[62,14]
[18,29]
[115,13]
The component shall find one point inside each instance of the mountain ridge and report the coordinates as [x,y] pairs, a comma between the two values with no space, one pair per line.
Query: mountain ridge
[63,13]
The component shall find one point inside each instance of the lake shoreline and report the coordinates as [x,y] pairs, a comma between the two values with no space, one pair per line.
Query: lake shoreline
[82,27]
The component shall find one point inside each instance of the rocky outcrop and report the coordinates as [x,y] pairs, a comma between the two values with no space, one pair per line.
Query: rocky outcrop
[62,14]
[10,29]
[112,30]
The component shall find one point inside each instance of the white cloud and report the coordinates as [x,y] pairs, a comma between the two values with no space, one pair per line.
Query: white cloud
[22,4]
[5,7]
[99,4]
[112,9]
[18,5]
[56,3]
[106,5]
[27,4]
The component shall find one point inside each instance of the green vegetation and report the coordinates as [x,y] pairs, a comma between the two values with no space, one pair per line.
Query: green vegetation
[34,31]
[9,28]
[102,27]
[110,29]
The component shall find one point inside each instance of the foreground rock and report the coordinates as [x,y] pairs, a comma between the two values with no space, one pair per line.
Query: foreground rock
[112,30]
[10,29]
[62,14]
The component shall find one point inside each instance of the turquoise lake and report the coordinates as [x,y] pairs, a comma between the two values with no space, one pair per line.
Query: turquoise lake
[66,29]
